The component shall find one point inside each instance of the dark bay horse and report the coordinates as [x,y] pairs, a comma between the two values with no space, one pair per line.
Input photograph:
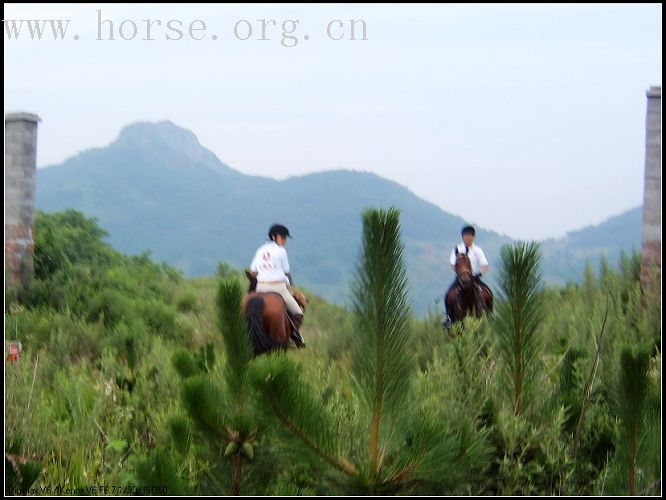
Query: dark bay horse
[268,320]
[469,296]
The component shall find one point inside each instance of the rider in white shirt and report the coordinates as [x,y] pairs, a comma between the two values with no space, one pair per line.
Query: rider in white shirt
[476,258]
[270,266]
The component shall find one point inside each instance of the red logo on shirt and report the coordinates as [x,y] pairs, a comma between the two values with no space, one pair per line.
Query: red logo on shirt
[266,256]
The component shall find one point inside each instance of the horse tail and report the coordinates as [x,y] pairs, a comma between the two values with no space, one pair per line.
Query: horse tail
[261,341]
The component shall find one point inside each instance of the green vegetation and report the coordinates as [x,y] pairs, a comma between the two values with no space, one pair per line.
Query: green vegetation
[134,376]
[519,316]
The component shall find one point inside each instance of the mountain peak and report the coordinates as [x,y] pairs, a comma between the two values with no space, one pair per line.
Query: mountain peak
[144,134]
[150,136]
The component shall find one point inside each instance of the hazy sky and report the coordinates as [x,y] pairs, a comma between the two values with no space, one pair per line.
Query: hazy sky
[525,119]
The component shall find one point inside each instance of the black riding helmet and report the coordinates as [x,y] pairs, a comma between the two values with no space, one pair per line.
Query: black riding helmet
[468,229]
[278,229]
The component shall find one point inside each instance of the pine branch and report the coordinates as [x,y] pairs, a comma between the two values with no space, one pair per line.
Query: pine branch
[341,464]
[237,473]
[519,314]
[382,362]
[402,475]
[291,400]
[374,435]
[236,340]
[634,384]
[202,401]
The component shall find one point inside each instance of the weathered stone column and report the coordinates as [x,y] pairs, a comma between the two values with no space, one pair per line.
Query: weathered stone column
[20,179]
[652,194]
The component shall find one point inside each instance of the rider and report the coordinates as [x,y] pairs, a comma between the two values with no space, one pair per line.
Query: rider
[476,258]
[270,266]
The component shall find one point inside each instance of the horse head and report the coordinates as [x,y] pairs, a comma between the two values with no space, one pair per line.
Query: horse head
[252,277]
[463,269]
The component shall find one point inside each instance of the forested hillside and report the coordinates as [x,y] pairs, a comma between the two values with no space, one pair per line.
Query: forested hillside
[157,189]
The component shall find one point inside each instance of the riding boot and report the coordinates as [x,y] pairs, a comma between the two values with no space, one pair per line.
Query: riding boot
[296,321]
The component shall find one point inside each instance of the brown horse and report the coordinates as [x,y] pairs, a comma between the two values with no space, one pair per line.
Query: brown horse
[268,319]
[470,295]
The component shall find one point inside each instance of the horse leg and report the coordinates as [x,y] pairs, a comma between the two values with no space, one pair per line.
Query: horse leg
[451,303]
[479,304]
[457,309]
[279,323]
[489,300]
[295,321]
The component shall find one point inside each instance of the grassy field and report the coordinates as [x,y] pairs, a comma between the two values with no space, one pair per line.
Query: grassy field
[133,379]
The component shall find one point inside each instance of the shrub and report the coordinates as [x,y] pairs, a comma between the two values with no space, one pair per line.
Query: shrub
[110,307]
[160,318]
[187,301]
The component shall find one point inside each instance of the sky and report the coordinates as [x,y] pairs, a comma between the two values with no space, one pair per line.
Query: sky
[525,119]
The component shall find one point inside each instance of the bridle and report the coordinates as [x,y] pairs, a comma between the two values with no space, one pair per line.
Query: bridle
[465,271]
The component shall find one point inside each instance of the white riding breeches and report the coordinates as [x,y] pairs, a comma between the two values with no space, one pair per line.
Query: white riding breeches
[281,288]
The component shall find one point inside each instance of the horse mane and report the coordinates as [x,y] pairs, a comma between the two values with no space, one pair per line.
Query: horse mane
[465,258]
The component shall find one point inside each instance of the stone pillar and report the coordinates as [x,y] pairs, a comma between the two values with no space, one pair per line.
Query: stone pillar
[651,252]
[20,180]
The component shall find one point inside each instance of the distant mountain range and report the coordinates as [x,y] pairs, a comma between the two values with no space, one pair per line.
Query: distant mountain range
[156,188]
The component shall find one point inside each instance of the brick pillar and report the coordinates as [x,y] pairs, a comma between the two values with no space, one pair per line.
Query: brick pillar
[652,194]
[20,179]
